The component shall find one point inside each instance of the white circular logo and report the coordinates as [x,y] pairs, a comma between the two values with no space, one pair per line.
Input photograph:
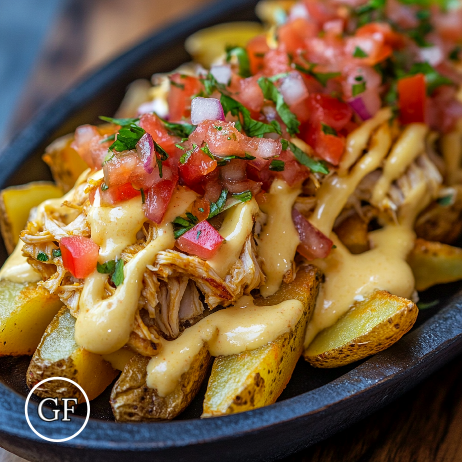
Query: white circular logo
[65,409]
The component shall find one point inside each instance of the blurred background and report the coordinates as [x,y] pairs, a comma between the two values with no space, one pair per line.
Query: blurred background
[47,46]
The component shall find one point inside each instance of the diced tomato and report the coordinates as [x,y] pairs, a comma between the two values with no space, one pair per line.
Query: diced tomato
[313,243]
[384,30]
[443,109]
[154,126]
[201,209]
[183,87]
[412,99]
[329,110]
[222,138]
[250,94]
[326,146]
[449,25]
[117,171]
[293,35]
[196,167]
[294,172]
[276,62]
[203,241]
[158,198]
[320,11]
[117,194]
[80,255]
[256,50]
[87,143]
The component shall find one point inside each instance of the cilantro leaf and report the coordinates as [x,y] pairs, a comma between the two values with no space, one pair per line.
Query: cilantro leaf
[244,196]
[321,77]
[121,122]
[317,166]
[446,200]
[217,207]
[183,225]
[184,158]
[118,276]
[454,55]
[277,165]
[271,93]
[182,130]
[358,88]
[360,53]
[242,58]
[107,267]
[42,256]
[328,130]
[426,306]
[252,128]
[162,157]
[56,253]
[127,138]
[433,78]
[224,160]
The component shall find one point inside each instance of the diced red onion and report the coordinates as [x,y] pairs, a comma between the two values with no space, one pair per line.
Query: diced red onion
[146,152]
[432,55]
[206,109]
[233,170]
[293,89]
[357,104]
[313,243]
[222,73]
[298,11]
[261,147]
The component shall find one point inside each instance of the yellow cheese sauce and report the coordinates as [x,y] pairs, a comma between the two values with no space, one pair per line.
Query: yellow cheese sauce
[279,239]
[16,268]
[226,332]
[236,227]
[104,326]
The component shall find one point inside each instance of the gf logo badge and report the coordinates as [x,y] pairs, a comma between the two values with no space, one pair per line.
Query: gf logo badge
[69,404]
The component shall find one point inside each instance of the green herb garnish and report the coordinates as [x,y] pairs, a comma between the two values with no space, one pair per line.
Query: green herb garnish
[106,268]
[118,276]
[42,256]
[446,200]
[183,225]
[218,206]
[56,253]
[358,88]
[328,130]
[360,53]
[317,166]
[277,165]
[433,78]
[182,130]
[143,196]
[198,235]
[225,159]
[242,58]
[427,305]
[244,196]
[321,77]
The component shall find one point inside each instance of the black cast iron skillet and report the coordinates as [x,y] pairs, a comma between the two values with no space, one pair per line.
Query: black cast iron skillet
[316,403]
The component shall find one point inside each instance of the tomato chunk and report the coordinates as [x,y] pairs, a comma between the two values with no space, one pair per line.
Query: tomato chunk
[154,126]
[179,98]
[203,241]
[80,255]
[329,110]
[158,198]
[412,99]
[256,50]
[196,167]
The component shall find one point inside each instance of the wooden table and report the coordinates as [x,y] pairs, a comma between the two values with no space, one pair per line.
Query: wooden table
[423,426]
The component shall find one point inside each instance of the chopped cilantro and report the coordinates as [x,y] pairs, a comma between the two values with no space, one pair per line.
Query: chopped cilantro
[225,159]
[243,196]
[276,77]
[201,210]
[182,225]
[143,196]
[455,53]
[317,166]
[358,88]
[109,138]
[205,149]
[242,58]
[252,128]
[360,53]
[107,267]
[184,158]
[56,253]
[446,200]
[321,77]
[175,84]
[127,138]
[433,78]
[42,256]
[217,207]
[210,85]
[161,156]
[198,235]
[104,187]
[182,130]
[277,165]
[427,305]
[118,276]
[271,93]
[121,122]
[328,130]
[419,33]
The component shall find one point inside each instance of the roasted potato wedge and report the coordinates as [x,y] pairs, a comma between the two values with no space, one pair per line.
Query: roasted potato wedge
[256,378]
[353,232]
[65,164]
[59,356]
[368,327]
[209,44]
[133,401]
[25,312]
[273,11]
[435,263]
[15,205]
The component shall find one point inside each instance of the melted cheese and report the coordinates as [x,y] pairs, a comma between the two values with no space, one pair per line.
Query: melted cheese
[226,332]
[104,326]
[16,268]
[451,148]
[181,201]
[410,144]
[237,226]
[279,239]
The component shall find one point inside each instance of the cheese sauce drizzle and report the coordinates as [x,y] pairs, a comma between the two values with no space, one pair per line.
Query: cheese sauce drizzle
[226,332]
[352,277]
[279,239]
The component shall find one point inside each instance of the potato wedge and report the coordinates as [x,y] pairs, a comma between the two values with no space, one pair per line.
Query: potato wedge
[209,44]
[435,263]
[65,164]
[59,356]
[133,401]
[353,232]
[15,205]
[273,11]
[25,312]
[368,327]
[256,378]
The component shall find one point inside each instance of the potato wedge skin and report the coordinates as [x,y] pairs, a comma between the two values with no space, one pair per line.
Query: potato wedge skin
[59,356]
[25,312]
[65,164]
[256,378]
[133,401]
[332,347]
[15,205]
[435,263]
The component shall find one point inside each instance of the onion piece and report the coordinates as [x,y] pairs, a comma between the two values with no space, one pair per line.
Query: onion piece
[222,74]
[206,109]
[358,105]
[146,152]
[313,243]
[293,89]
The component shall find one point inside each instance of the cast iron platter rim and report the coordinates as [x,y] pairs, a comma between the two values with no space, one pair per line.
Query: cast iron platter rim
[322,411]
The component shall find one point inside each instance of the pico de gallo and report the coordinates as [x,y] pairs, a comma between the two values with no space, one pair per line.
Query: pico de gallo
[232,130]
